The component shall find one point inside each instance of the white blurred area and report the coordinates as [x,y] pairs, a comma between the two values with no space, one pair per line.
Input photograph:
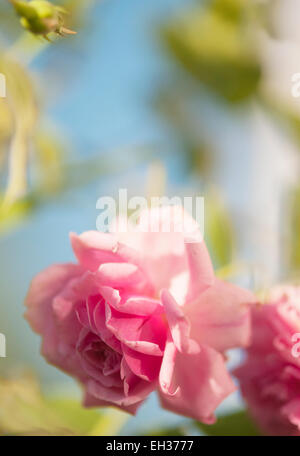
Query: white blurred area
[275,156]
[280,52]
[275,168]
[262,157]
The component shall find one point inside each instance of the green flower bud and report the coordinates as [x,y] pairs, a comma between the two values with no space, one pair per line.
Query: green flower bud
[41,17]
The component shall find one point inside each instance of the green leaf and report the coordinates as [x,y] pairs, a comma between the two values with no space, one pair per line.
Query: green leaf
[73,415]
[219,231]
[283,113]
[13,214]
[236,424]
[24,410]
[170,432]
[83,421]
[292,244]
[215,46]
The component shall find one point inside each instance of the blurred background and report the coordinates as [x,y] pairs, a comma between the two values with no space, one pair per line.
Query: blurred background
[173,97]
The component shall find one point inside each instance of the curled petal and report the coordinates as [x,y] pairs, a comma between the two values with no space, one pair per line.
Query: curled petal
[142,346]
[105,334]
[178,324]
[130,304]
[140,305]
[123,326]
[145,335]
[201,271]
[166,379]
[198,383]
[144,366]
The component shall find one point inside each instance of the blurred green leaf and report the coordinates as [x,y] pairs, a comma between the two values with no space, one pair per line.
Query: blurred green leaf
[235,424]
[219,231]
[172,432]
[22,107]
[49,162]
[292,230]
[84,421]
[232,10]
[15,213]
[110,423]
[73,415]
[214,44]
[71,175]
[284,113]
[231,270]
[24,410]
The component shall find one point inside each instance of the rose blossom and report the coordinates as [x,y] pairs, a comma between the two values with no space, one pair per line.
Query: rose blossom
[141,311]
[270,375]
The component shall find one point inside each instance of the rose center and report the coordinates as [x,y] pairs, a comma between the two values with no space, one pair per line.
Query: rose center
[102,356]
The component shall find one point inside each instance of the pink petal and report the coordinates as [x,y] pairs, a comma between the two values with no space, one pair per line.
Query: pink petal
[129,303]
[123,326]
[85,312]
[200,269]
[142,346]
[220,316]
[167,381]
[49,312]
[123,276]
[145,335]
[292,411]
[163,254]
[140,305]
[91,366]
[178,324]
[93,248]
[104,333]
[144,366]
[44,287]
[116,396]
[67,325]
[199,383]
[92,401]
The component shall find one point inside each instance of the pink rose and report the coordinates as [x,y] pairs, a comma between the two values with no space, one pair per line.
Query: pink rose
[270,376]
[141,311]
